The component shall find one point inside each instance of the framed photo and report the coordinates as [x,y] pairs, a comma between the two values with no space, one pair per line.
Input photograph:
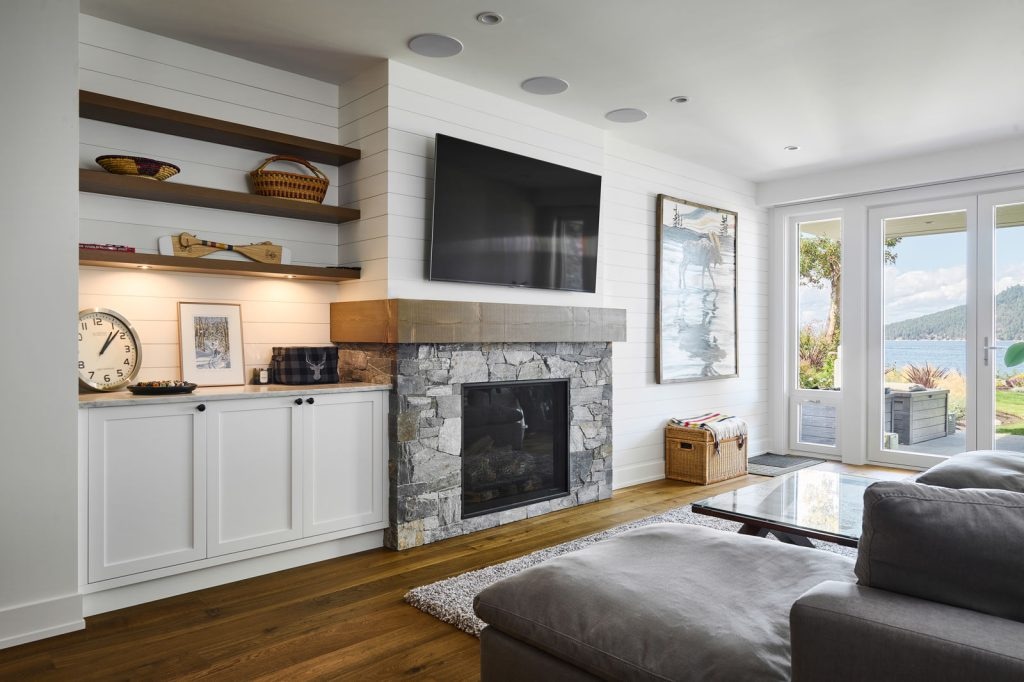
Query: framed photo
[210,338]
[696,292]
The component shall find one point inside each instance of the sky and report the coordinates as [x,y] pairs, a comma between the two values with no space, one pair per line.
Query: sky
[929,275]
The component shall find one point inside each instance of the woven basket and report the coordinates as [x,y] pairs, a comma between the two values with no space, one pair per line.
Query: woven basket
[311,188]
[139,166]
[690,456]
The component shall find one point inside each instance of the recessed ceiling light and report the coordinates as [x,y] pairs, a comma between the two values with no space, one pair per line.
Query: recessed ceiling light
[143,267]
[626,115]
[435,45]
[680,99]
[544,85]
[489,18]
[792,148]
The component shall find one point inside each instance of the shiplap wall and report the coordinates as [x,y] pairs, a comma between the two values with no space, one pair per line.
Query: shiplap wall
[124,62]
[420,105]
[633,178]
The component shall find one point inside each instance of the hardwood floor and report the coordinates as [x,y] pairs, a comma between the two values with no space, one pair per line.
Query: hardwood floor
[338,619]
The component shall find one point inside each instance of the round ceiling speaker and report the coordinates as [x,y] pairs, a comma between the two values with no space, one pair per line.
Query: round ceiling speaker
[626,115]
[435,45]
[544,85]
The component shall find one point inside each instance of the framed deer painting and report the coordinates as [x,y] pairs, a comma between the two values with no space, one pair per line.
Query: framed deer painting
[696,292]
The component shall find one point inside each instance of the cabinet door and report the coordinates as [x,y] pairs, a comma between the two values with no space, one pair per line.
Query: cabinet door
[254,473]
[147,485]
[344,472]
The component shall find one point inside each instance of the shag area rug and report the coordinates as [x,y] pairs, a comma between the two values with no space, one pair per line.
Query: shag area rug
[451,600]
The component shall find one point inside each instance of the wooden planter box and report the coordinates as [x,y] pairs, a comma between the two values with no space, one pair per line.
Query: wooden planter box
[690,456]
[919,416]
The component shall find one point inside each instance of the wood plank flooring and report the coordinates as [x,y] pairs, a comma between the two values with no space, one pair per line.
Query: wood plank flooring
[339,619]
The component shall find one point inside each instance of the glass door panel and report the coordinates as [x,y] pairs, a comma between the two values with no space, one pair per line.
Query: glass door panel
[817,351]
[925,332]
[1008,311]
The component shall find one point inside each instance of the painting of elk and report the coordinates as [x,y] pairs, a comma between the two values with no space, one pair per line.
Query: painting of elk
[696,291]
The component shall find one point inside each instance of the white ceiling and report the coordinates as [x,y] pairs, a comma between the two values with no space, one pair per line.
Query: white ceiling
[849,81]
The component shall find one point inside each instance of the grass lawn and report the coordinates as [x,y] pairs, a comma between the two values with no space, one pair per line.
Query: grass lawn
[1011,403]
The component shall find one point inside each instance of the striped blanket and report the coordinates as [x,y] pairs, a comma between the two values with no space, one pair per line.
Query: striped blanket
[722,426]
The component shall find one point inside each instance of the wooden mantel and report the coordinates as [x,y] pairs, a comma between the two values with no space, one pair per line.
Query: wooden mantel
[404,320]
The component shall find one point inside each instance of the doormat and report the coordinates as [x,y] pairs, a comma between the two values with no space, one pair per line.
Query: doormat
[771,464]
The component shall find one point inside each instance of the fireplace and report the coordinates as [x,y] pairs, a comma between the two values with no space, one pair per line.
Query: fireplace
[515,444]
[431,352]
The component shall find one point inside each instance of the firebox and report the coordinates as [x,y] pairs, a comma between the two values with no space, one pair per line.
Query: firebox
[515,444]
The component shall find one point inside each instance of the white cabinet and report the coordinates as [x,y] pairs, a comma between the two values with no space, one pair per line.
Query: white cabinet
[344,470]
[147,488]
[254,473]
[182,485]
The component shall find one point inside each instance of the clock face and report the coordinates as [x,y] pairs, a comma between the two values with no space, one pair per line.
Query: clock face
[109,355]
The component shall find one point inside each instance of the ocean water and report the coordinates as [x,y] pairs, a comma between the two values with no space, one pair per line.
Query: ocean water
[951,355]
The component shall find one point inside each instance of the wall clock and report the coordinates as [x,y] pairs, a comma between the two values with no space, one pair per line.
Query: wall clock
[109,353]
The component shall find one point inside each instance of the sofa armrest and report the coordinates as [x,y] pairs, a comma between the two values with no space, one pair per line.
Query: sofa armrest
[841,631]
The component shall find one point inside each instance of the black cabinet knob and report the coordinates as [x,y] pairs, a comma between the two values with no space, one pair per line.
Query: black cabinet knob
[309,401]
[298,401]
[201,407]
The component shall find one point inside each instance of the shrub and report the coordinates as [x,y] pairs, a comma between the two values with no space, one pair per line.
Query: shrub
[817,360]
[925,375]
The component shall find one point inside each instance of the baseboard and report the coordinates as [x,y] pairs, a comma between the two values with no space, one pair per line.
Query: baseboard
[29,622]
[635,474]
[199,579]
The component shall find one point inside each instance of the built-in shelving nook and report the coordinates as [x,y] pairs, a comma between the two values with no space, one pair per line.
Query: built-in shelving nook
[125,112]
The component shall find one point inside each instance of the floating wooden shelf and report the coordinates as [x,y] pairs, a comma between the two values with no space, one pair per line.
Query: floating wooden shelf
[102,182]
[126,112]
[118,259]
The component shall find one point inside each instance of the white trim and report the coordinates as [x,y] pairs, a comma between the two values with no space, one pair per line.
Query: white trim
[199,579]
[41,619]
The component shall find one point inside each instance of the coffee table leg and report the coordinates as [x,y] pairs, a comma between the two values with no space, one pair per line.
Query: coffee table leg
[788,538]
[748,529]
[791,539]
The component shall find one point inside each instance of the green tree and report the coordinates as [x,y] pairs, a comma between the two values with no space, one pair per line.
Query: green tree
[821,264]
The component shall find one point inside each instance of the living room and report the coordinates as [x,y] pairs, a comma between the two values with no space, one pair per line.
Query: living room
[345,74]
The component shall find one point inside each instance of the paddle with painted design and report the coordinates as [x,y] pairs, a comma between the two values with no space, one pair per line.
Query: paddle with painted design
[190,245]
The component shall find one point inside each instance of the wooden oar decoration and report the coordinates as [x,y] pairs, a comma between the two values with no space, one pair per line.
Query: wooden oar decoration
[186,244]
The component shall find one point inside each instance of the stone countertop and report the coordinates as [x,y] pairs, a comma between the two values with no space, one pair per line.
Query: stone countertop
[122,398]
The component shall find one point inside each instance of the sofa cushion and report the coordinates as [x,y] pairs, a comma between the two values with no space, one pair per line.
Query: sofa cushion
[669,601]
[959,547]
[998,469]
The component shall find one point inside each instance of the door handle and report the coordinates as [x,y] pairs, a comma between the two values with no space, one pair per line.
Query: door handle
[985,349]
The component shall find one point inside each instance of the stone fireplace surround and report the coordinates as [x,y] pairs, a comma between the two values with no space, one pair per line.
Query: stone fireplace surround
[428,349]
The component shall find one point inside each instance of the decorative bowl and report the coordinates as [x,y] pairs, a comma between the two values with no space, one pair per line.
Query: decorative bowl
[161,387]
[139,166]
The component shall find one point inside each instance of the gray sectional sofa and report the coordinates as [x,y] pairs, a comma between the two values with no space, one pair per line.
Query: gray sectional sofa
[936,593]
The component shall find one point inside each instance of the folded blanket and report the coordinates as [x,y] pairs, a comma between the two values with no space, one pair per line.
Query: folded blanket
[721,426]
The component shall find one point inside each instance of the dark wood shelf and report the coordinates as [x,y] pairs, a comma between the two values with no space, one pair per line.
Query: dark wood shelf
[102,182]
[118,259]
[97,107]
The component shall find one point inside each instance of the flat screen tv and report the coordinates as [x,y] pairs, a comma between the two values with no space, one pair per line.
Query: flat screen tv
[505,219]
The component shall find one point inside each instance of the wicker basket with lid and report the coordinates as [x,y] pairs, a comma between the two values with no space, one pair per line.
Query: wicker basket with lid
[691,456]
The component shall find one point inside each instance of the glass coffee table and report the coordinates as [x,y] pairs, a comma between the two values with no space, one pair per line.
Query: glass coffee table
[824,505]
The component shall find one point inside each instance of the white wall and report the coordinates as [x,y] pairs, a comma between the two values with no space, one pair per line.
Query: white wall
[633,178]
[951,165]
[125,62]
[38,209]
[411,106]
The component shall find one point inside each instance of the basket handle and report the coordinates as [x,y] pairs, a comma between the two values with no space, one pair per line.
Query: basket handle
[293,159]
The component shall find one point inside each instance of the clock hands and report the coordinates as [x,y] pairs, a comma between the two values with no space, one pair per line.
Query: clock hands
[107,342]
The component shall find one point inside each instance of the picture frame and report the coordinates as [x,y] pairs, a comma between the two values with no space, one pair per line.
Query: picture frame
[210,342]
[696,335]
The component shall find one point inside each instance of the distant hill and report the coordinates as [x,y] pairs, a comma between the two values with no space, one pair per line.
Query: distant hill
[949,323]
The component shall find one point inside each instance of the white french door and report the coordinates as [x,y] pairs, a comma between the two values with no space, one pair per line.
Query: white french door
[936,385]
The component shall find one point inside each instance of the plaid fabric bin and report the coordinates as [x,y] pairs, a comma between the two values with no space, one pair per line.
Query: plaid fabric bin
[304,365]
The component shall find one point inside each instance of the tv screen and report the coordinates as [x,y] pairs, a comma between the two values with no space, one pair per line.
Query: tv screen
[501,218]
